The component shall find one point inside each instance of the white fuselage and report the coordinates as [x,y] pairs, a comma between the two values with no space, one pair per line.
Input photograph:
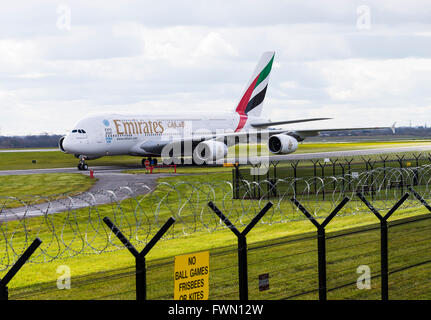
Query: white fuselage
[116,134]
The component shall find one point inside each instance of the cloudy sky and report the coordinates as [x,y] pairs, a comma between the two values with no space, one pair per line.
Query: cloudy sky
[362,63]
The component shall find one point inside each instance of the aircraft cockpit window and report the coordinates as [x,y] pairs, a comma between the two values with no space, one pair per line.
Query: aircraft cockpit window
[74,131]
[83,131]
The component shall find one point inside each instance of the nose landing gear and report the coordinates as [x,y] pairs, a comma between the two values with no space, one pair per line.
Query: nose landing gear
[82,166]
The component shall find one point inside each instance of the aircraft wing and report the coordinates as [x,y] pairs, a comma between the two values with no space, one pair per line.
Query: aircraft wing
[315,132]
[232,138]
[269,124]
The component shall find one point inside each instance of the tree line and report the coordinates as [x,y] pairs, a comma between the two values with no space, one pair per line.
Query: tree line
[30,141]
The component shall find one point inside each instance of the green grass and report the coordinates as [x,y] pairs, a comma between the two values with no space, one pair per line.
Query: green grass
[57,159]
[26,187]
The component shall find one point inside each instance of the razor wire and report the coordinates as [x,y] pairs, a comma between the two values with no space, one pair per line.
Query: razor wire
[72,225]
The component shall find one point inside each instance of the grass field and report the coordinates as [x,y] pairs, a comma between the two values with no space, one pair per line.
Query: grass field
[274,247]
[26,187]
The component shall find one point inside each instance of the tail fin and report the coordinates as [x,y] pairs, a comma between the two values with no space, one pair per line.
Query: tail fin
[252,100]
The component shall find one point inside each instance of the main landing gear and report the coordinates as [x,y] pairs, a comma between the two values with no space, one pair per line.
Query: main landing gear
[82,166]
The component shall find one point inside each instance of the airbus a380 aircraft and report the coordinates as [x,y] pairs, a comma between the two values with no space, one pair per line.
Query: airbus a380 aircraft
[205,136]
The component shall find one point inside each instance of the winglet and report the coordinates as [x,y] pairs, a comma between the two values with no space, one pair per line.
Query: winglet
[393,128]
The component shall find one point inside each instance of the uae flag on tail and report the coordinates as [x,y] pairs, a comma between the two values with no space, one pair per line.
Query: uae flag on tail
[252,99]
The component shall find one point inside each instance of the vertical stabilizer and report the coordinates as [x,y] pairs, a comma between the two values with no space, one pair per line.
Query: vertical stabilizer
[252,99]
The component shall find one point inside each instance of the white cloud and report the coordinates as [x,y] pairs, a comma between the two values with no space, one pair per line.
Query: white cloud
[193,55]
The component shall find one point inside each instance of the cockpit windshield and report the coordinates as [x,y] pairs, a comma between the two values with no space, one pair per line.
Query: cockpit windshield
[78,131]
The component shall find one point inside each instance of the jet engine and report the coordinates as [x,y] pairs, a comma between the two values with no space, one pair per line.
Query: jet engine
[282,144]
[209,151]
[60,144]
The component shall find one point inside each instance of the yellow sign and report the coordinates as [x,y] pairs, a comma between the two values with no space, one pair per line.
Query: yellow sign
[191,276]
[227,164]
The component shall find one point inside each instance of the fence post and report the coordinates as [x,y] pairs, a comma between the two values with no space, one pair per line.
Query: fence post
[333,162]
[384,260]
[342,174]
[315,174]
[4,292]
[236,181]
[349,172]
[294,165]
[384,169]
[400,160]
[323,179]
[420,198]
[417,156]
[141,272]
[242,245]
[321,241]
[274,173]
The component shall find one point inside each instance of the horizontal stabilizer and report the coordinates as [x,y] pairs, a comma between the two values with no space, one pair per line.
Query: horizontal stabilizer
[270,124]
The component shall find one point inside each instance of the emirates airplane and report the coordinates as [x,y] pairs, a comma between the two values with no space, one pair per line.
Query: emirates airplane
[202,137]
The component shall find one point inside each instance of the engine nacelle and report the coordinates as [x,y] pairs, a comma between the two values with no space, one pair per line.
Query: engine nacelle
[60,144]
[209,151]
[282,144]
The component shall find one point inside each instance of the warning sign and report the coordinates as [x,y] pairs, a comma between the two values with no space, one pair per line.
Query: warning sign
[191,276]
